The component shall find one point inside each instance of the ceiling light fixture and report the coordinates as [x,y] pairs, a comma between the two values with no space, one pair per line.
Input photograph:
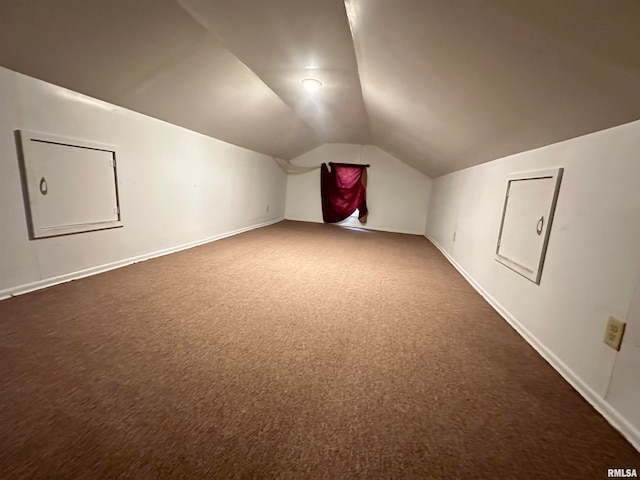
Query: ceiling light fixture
[311,84]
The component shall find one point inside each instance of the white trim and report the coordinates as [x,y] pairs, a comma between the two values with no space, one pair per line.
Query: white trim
[362,226]
[392,230]
[48,282]
[37,136]
[615,418]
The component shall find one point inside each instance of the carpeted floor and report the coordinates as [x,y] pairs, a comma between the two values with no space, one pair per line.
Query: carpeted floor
[293,351]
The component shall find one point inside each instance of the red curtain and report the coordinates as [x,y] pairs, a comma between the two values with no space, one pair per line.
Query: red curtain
[343,189]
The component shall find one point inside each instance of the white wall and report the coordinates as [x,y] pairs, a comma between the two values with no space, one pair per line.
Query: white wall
[624,388]
[176,187]
[397,194]
[592,263]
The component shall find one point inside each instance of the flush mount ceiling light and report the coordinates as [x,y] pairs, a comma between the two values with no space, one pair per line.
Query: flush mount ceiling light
[311,84]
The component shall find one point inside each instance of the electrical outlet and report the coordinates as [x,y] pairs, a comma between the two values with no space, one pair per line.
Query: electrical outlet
[454,236]
[267,208]
[613,334]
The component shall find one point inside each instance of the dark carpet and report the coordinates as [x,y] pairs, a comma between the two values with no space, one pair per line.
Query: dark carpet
[294,351]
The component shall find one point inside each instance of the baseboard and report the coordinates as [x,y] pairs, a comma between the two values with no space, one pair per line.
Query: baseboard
[48,282]
[605,409]
[393,230]
[364,227]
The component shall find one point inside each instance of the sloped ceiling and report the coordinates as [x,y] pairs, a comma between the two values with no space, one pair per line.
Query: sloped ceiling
[440,84]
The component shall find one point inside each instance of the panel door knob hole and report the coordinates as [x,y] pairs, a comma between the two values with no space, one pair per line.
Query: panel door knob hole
[43,186]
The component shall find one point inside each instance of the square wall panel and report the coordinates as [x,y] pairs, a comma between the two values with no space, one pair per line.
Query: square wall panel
[71,185]
[527,217]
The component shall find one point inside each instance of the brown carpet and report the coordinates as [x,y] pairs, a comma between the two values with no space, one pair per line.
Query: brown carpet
[294,351]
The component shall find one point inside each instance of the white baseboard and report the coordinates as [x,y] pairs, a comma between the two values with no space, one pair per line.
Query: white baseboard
[388,230]
[361,226]
[631,433]
[48,282]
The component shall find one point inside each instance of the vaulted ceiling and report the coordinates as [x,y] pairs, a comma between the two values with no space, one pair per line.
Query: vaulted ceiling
[440,84]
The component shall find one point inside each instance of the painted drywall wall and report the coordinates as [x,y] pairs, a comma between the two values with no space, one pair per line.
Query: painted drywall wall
[176,187]
[591,266]
[624,388]
[397,194]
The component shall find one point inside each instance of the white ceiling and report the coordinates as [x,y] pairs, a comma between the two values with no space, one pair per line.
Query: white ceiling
[440,84]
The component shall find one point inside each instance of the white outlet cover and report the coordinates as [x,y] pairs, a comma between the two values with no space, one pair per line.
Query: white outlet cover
[614,333]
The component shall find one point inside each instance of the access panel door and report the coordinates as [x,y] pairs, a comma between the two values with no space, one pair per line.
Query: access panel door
[71,184]
[526,221]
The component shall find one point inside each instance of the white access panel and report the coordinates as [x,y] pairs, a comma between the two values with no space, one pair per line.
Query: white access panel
[71,184]
[526,221]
